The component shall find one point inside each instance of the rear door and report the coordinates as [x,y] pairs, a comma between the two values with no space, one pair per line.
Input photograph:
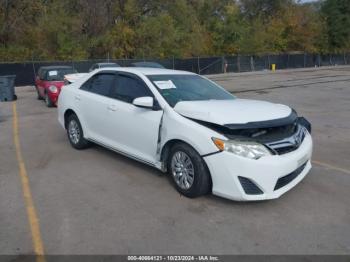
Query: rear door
[93,104]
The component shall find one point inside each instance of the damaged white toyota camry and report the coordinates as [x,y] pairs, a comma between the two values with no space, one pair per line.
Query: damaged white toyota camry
[184,124]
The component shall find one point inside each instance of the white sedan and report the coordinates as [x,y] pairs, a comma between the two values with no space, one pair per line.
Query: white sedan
[184,124]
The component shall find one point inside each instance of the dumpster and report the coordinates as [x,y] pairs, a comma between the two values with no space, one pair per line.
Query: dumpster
[7,88]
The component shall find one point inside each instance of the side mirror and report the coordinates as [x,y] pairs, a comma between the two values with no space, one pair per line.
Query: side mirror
[145,102]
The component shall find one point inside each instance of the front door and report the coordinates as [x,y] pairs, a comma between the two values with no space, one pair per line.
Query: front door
[132,129]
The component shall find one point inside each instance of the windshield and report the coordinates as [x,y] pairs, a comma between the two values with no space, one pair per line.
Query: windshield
[58,74]
[176,88]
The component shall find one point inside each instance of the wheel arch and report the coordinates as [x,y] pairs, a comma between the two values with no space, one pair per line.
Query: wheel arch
[167,147]
[67,114]
[165,152]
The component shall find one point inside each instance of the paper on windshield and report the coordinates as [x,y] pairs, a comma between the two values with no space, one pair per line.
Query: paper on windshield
[165,84]
[53,73]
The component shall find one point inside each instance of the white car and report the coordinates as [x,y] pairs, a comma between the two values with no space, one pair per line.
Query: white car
[184,124]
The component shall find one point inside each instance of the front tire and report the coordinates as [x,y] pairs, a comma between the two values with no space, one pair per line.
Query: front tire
[188,171]
[75,133]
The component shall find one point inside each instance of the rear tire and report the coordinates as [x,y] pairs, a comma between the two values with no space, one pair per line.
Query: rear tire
[188,171]
[75,133]
[48,101]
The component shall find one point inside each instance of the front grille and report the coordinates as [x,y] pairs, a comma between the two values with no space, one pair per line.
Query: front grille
[282,181]
[249,187]
[285,150]
[288,144]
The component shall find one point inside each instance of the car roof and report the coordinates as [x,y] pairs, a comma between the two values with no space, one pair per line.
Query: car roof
[55,67]
[147,70]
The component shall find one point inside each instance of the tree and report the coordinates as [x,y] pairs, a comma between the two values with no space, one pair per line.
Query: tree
[337,18]
[86,29]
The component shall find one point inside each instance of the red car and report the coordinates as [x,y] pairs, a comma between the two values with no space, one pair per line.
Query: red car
[49,81]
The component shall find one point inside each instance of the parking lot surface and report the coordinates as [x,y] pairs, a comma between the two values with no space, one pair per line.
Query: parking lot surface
[98,202]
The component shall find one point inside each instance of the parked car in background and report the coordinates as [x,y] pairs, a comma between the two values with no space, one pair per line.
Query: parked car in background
[204,137]
[71,78]
[49,81]
[147,64]
[102,65]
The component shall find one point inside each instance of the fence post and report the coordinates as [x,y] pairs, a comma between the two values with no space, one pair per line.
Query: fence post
[173,62]
[223,65]
[238,63]
[252,64]
[33,68]
[344,58]
[304,59]
[199,69]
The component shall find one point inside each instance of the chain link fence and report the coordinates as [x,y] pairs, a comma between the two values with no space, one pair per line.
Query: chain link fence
[25,72]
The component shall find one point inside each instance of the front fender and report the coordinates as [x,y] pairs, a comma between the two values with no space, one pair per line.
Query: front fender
[177,127]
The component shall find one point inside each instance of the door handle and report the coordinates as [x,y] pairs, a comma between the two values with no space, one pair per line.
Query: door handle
[112,108]
[77,97]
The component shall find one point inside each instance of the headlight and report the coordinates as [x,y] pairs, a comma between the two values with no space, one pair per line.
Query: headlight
[53,89]
[247,149]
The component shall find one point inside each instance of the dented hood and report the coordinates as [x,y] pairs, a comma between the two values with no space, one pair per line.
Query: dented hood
[236,111]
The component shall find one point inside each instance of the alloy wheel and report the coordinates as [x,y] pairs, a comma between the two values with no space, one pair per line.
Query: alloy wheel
[74,131]
[182,170]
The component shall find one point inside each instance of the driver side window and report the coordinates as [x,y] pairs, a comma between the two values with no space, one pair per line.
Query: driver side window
[129,87]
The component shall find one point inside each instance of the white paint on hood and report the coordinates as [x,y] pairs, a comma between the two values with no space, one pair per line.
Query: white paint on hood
[236,111]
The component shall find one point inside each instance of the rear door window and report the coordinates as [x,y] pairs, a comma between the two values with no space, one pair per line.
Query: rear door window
[99,84]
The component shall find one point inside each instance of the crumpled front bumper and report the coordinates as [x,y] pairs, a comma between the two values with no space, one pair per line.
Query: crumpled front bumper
[226,168]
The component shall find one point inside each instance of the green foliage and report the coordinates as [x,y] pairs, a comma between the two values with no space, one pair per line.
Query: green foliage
[337,19]
[83,29]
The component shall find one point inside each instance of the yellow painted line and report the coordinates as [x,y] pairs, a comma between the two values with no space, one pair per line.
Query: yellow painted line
[331,167]
[31,212]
